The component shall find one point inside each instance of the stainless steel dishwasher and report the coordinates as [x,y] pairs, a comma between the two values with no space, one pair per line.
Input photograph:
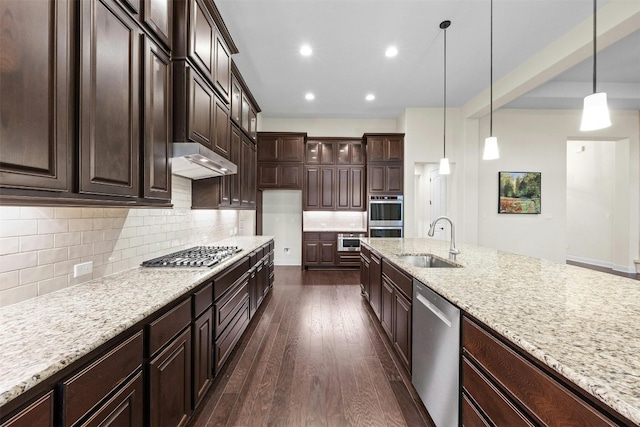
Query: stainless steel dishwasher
[436,354]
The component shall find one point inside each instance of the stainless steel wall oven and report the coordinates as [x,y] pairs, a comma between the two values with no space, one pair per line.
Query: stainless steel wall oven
[386,216]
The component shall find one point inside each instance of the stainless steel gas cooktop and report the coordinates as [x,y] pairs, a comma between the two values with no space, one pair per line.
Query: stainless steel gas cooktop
[198,256]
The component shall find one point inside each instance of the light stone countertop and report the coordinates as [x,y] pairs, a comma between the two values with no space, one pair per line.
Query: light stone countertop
[583,324]
[41,336]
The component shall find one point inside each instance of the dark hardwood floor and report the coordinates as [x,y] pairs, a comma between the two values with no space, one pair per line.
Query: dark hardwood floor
[314,357]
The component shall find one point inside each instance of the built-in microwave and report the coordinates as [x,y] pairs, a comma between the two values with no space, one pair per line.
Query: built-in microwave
[386,211]
[349,242]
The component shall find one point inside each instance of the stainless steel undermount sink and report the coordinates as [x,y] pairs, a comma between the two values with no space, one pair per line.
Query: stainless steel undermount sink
[427,261]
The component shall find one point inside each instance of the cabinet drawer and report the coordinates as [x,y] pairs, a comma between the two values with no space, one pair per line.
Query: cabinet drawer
[202,300]
[39,413]
[125,408]
[470,415]
[228,278]
[401,280]
[364,251]
[311,236]
[498,408]
[162,330]
[85,390]
[543,396]
[226,342]
[226,307]
[351,258]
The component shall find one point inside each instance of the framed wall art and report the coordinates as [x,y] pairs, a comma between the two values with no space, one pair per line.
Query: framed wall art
[519,192]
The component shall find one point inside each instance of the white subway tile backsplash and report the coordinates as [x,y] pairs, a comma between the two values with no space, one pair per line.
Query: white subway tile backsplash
[17,294]
[36,242]
[35,274]
[9,280]
[80,251]
[18,261]
[92,236]
[114,239]
[68,213]
[9,212]
[67,239]
[51,256]
[50,226]
[51,285]
[81,224]
[18,227]
[9,245]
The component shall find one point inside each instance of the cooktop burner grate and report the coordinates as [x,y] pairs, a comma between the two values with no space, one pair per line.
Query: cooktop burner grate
[198,256]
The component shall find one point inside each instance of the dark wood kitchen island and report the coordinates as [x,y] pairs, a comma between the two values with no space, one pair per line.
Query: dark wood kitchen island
[554,341]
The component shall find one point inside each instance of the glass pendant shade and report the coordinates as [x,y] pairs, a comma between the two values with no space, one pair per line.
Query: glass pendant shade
[491,151]
[595,114]
[444,167]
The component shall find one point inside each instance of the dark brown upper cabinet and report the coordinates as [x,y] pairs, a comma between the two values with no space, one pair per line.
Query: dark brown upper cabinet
[281,147]
[319,185]
[109,99]
[221,142]
[201,38]
[222,68]
[320,153]
[36,104]
[198,113]
[385,147]
[157,16]
[350,153]
[157,123]
[236,101]
[248,176]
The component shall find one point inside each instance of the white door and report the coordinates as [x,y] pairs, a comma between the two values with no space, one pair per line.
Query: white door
[438,202]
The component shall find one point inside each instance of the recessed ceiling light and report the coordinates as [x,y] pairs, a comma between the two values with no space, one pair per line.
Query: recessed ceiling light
[309,96]
[305,50]
[391,52]
[370,97]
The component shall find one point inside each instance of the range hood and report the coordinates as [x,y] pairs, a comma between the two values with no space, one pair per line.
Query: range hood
[195,161]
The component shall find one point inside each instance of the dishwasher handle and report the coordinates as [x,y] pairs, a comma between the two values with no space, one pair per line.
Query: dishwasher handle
[435,310]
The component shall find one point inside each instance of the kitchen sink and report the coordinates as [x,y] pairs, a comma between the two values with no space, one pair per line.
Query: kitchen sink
[427,261]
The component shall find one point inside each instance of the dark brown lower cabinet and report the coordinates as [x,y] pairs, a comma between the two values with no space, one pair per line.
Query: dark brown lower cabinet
[375,283]
[202,355]
[509,389]
[319,249]
[124,409]
[386,307]
[170,383]
[402,322]
[227,340]
[39,413]
[364,272]
[86,391]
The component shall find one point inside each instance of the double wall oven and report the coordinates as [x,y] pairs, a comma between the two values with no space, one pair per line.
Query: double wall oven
[386,216]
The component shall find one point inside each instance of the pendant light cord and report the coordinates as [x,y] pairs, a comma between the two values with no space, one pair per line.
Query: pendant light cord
[444,127]
[491,73]
[594,46]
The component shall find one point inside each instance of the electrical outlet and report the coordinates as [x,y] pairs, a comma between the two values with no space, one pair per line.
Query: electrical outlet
[287,251]
[82,269]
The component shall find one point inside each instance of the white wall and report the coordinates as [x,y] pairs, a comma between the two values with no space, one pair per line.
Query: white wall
[282,218]
[40,245]
[535,140]
[328,127]
[590,201]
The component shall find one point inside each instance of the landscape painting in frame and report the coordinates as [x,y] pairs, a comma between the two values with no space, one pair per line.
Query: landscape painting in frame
[519,192]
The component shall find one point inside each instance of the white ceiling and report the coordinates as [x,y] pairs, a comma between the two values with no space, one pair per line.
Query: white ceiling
[349,38]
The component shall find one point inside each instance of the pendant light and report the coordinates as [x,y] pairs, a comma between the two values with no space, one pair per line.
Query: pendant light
[595,114]
[444,162]
[491,151]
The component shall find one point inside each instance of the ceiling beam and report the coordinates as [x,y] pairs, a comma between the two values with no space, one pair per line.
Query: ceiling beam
[616,20]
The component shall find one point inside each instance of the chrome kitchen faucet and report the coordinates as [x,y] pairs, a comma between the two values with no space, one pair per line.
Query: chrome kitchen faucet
[452,249]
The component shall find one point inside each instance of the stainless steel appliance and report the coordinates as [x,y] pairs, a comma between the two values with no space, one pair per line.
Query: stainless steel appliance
[436,354]
[349,242]
[198,256]
[385,232]
[386,211]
